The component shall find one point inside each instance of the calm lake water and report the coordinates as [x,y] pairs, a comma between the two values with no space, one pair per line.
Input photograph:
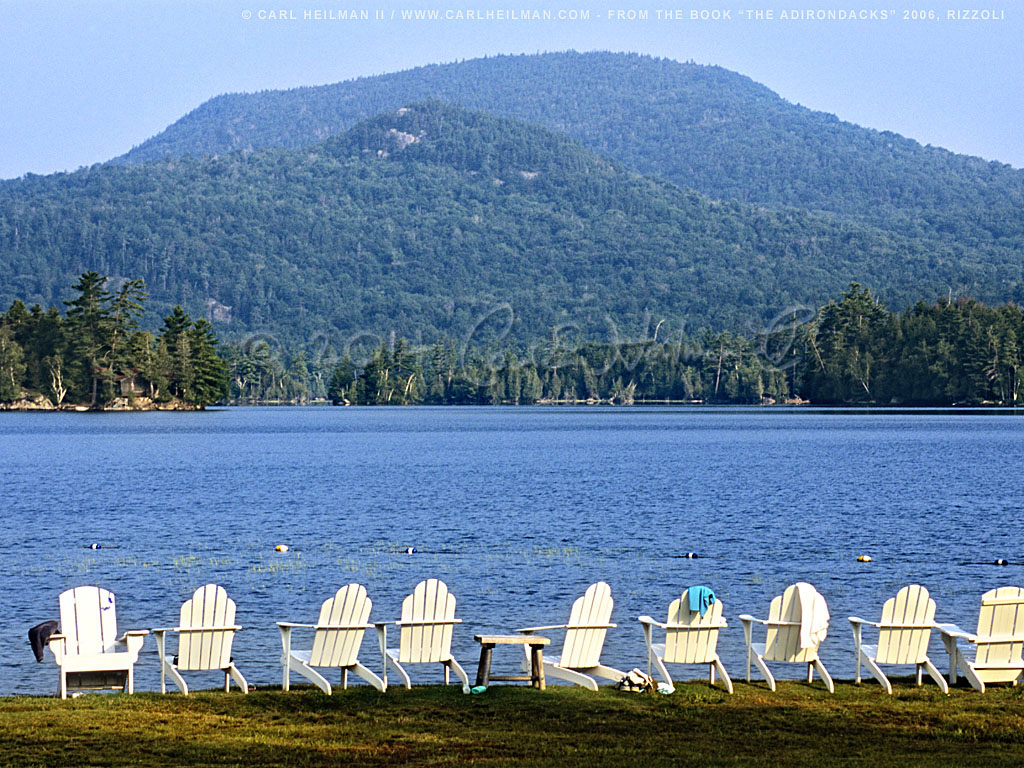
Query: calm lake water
[517,509]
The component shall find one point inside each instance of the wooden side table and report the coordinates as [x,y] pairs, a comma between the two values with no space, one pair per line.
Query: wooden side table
[536,645]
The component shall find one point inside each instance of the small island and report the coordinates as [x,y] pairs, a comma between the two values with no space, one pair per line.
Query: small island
[96,357]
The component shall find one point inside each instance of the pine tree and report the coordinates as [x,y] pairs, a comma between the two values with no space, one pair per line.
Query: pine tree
[209,371]
[90,328]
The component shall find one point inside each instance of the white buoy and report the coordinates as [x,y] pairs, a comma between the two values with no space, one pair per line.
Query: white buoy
[864,559]
[281,548]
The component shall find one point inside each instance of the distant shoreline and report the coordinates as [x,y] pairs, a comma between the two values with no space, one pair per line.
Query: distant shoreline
[41,403]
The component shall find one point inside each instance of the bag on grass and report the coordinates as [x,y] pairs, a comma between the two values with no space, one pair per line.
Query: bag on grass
[637,681]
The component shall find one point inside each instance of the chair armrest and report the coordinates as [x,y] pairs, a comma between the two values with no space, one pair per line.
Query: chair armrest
[858,620]
[746,618]
[133,639]
[649,621]
[952,630]
[57,644]
[290,624]
[181,630]
[531,630]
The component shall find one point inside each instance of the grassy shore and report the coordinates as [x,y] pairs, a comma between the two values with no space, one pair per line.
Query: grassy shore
[797,726]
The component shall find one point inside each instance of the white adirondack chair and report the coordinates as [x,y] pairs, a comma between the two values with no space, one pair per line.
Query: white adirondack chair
[997,644]
[205,631]
[336,641]
[86,649]
[903,635]
[584,639]
[787,637]
[425,633]
[689,639]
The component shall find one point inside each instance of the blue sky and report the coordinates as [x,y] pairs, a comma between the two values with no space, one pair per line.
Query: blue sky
[84,81]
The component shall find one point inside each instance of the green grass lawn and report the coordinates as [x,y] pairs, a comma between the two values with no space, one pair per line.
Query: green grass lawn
[509,725]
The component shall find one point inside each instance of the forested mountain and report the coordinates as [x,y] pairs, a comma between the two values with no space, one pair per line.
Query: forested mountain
[426,220]
[697,126]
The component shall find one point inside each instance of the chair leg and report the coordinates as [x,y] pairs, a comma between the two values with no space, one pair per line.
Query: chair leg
[239,680]
[607,673]
[570,675]
[950,643]
[401,672]
[175,676]
[368,676]
[310,674]
[726,680]
[825,676]
[459,673]
[765,672]
[878,674]
[935,675]
[663,671]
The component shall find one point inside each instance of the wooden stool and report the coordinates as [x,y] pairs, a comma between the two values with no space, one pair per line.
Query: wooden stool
[536,643]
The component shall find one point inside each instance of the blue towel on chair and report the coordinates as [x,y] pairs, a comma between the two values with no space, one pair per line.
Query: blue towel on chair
[701,599]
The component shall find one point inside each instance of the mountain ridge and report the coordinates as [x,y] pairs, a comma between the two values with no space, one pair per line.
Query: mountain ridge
[697,126]
[426,221]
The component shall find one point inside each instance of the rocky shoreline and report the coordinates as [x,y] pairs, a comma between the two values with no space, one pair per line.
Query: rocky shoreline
[36,402]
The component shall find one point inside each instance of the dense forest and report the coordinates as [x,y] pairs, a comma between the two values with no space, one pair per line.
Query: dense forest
[949,353]
[436,222]
[853,351]
[699,127]
[95,355]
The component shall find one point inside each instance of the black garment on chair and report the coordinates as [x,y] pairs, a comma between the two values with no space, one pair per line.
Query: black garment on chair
[39,636]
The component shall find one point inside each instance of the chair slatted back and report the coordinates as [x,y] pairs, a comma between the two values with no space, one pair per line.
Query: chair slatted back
[210,607]
[782,640]
[902,642]
[584,636]
[1001,616]
[340,628]
[88,620]
[692,638]
[427,622]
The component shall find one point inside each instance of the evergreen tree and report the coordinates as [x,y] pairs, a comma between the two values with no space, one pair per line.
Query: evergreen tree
[91,329]
[209,379]
[342,379]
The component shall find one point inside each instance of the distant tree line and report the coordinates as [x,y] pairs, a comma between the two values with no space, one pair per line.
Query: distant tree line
[853,351]
[96,352]
[714,368]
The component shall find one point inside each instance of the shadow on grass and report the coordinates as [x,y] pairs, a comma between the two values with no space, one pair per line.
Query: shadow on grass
[431,726]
